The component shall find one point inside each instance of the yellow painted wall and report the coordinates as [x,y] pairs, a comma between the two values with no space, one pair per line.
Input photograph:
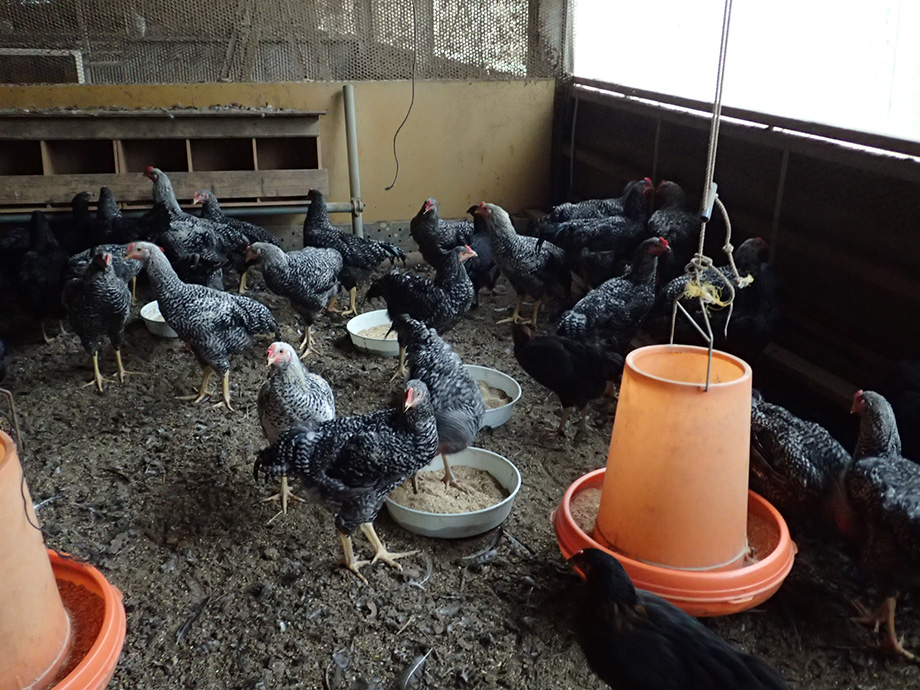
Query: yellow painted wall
[464,142]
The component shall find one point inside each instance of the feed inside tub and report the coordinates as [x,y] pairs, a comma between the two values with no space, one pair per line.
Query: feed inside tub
[378,332]
[493,397]
[482,490]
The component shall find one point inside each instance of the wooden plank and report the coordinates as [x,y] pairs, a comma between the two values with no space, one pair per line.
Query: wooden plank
[236,184]
[156,128]
[827,385]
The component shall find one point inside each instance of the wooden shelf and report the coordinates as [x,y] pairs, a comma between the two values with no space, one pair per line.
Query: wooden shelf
[247,158]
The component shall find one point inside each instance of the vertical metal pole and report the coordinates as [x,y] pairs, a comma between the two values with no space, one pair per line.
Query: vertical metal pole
[778,206]
[354,178]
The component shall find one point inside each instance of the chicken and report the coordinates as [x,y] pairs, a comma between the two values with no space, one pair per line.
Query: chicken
[214,324]
[746,327]
[41,273]
[531,269]
[436,237]
[633,639]
[482,269]
[113,228]
[352,463]
[77,235]
[196,247]
[902,390]
[210,209]
[796,464]
[98,304]
[6,393]
[577,372]
[126,269]
[309,278]
[614,311]
[455,396]
[359,255]
[883,489]
[679,223]
[439,303]
[593,208]
[290,396]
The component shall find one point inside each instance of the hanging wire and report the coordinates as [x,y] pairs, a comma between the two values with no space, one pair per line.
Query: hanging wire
[412,100]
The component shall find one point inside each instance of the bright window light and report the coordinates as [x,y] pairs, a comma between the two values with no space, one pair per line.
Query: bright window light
[849,63]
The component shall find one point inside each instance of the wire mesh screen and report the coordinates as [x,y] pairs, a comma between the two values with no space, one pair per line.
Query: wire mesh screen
[187,41]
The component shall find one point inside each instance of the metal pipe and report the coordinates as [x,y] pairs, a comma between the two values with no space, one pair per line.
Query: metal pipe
[354,178]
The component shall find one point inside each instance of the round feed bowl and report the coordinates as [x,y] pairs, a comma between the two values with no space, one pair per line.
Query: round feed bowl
[459,525]
[155,322]
[383,347]
[499,380]
[699,593]
[95,670]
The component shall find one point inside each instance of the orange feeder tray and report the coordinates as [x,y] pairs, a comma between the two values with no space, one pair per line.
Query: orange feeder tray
[674,506]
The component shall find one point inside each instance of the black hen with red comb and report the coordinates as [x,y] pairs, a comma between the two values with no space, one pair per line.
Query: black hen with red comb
[678,221]
[636,640]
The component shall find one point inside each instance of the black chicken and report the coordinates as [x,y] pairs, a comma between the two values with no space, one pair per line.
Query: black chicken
[531,269]
[577,372]
[77,234]
[613,312]
[482,269]
[196,247]
[593,208]
[883,489]
[41,273]
[359,255]
[215,324]
[210,209]
[634,639]
[113,228]
[352,463]
[436,237]
[98,304]
[439,303]
[309,278]
[677,221]
[455,396]
[796,465]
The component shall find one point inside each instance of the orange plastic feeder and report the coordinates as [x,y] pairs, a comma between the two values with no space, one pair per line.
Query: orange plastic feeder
[674,506]
[37,631]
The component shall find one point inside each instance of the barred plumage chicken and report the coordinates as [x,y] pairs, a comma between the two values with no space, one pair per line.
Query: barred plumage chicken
[436,237]
[291,395]
[214,324]
[352,463]
[308,277]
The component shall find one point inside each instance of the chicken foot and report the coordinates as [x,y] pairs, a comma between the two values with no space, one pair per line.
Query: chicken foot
[401,370]
[202,390]
[225,392]
[331,306]
[98,378]
[566,411]
[284,495]
[353,301]
[380,551]
[122,372]
[243,279]
[449,478]
[516,316]
[884,615]
[349,561]
[306,345]
[536,312]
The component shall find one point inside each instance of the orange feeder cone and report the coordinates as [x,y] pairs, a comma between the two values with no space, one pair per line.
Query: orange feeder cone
[34,628]
[675,493]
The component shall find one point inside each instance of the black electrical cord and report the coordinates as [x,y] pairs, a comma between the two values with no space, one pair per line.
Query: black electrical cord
[412,101]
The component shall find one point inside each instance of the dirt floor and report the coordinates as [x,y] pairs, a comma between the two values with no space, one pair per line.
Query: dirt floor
[159,494]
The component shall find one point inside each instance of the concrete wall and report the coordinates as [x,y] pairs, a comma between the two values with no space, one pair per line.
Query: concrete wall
[464,141]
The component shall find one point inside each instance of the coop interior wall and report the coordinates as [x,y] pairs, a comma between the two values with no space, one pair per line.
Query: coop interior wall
[464,141]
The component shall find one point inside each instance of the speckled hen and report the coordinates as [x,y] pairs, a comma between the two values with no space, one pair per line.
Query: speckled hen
[439,303]
[308,277]
[531,269]
[126,269]
[676,220]
[436,237]
[360,255]
[883,489]
[594,208]
[455,396]
[210,209]
[614,311]
[796,465]
[98,304]
[352,463]
[290,396]
[635,640]
[216,325]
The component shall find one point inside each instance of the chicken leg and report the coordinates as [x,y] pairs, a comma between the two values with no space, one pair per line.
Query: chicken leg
[122,372]
[306,345]
[284,495]
[449,478]
[536,312]
[243,281]
[98,378]
[885,614]
[202,390]
[516,316]
[331,306]
[566,411]
[133,290]
[225,392]
[349,561]
[45,333]
[353,301]
[401,370]
[380,551]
